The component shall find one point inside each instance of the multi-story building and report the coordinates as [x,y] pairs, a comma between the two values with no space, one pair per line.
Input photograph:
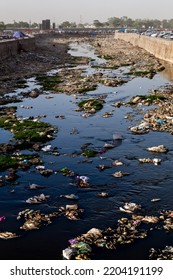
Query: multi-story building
[46,24]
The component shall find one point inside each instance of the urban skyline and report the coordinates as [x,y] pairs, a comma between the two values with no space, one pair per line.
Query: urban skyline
[82,12]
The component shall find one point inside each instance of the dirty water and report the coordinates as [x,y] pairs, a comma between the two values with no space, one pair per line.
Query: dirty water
[145,181]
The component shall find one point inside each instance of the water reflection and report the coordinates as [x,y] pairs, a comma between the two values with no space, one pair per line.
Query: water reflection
[143,183]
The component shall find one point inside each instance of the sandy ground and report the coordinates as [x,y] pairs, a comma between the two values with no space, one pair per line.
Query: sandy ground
[52,51]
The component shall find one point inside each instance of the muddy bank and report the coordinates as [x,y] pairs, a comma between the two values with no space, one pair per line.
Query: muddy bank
[47,55]
[53,51]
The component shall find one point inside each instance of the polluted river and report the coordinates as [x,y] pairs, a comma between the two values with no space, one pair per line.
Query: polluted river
[92,190]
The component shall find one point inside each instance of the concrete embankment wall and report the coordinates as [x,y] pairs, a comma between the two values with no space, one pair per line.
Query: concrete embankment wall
[10,48]
[160,48]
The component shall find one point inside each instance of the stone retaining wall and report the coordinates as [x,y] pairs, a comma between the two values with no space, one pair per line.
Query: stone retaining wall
[160,48]
[10,48]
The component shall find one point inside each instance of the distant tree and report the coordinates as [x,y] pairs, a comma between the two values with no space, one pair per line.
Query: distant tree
[80,25]
[2,25]
[20,24]
[157,23]
[65,24]
[171,23]
[97,23]
[128,22]
[165,24]
[34,25]
[73,25]
[115,22]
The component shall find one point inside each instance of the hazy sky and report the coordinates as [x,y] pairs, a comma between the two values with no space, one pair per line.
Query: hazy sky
[83,10]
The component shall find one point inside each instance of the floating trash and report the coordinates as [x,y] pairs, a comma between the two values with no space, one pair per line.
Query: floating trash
[70,196]
[157,149]
[107,115]
[82,181]
[61,117]
[40,167]
[155,199]
[69,253]
[150,219]
[168,224]
[108,146]
[120,174]
[141,128]
[37,199]
[72,212]
[117,163]
[130,207]
[67,172]
[155,161]
[103,194]
[8,235]
[165,254]
[35,219]
[102,167]
[46,172]
[2,218]
[47,148]
[35,187]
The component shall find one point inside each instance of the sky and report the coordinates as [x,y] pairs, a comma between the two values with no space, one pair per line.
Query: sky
[83,11]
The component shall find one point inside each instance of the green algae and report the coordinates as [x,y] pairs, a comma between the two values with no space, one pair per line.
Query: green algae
[15,161]
[149,99]
[89,153]
[87,88]
[91,104]
[27,130]
[141,73]
[49,82]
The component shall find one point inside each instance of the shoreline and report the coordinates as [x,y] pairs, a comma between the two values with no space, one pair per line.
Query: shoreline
[52,52]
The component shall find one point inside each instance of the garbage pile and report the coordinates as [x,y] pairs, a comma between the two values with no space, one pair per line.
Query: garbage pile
[35,219]
[164,254]
[127,230]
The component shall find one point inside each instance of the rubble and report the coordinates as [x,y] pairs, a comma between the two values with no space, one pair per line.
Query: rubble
[35,219]
[164,254]
[72,212]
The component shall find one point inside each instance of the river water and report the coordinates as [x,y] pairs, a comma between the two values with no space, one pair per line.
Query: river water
[144,182]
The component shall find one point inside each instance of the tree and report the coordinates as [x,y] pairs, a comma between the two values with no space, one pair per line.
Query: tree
[2,25]
[115,22]
[165,24]
[34,25]
[97,23]
[65,24]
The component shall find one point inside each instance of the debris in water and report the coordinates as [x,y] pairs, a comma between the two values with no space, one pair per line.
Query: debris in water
[8,235]
[130,207]
[37,199]
[158,149]
[120,174]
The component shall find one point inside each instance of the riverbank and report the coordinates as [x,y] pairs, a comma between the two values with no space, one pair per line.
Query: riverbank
[52,51]
[72,168]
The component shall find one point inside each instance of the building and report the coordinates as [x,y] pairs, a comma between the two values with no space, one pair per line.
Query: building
[46,24]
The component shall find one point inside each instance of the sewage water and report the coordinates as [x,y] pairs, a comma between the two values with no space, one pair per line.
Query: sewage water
[144,183]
